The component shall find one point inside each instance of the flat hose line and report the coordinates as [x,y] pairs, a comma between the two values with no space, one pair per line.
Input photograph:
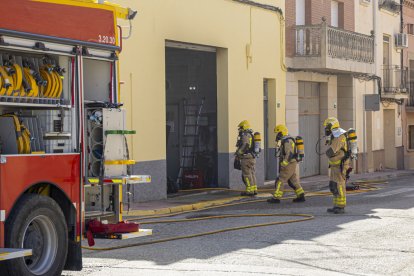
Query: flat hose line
[303,217]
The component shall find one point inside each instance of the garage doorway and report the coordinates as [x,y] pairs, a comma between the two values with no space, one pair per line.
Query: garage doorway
[191,115]
[309,126]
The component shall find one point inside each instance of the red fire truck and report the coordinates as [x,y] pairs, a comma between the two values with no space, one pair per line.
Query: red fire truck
[63,150]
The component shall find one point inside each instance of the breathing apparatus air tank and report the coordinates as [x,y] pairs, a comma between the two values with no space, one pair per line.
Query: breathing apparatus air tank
[352,141]
[257,143]
[300,148]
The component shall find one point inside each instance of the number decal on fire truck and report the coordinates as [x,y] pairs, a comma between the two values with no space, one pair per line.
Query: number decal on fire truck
[106,39]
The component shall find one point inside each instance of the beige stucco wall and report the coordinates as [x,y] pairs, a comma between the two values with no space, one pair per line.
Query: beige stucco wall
[224,24]
[363,18]
[386,24]
[409,154]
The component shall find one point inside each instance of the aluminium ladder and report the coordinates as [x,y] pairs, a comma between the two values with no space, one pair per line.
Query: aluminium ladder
[192,113]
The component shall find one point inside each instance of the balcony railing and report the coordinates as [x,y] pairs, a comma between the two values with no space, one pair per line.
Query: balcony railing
[318,40]
[411,91]
[395,79]
[309,40]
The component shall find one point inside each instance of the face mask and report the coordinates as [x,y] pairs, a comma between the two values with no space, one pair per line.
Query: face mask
[328,131]
[279,136]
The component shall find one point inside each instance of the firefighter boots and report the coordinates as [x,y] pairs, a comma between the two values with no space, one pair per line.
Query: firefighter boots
[248,192]
[273,200]
[336,210]
[300,198]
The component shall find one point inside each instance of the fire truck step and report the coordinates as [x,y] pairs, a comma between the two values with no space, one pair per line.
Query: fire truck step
[138,179]
[119,180]
[13,253]
[98,214]
[124,236]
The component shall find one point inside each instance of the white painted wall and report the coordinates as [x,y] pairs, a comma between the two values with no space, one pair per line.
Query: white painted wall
[387,24]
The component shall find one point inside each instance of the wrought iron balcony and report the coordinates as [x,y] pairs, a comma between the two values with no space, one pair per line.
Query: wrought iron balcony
[411,97]
[321,47]
[395,81]
[411,91]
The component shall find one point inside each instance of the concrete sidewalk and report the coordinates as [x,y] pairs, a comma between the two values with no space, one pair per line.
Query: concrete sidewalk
[194,200]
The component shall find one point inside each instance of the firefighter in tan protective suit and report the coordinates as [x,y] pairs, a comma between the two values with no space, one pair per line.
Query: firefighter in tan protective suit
[288,164]
[247,158]
[339,163]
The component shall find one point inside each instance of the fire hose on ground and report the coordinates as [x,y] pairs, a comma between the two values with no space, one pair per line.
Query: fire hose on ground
[364,186]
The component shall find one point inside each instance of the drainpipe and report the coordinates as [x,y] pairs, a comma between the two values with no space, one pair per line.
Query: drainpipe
[402,31]
[364,113]
[402,77]
[374,29]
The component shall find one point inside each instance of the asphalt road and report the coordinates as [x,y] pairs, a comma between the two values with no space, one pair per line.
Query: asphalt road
[374,237]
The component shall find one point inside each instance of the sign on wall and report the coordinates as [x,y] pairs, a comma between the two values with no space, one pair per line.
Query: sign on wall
[372,102]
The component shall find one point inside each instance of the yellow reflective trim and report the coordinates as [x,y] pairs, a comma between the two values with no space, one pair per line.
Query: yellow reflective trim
[278,186]
[341,192]
[120,199]
[93,180]
[115,180]
[285,163]
[120,162]
[335,162]
[247,182]
[299,191]
[279,192]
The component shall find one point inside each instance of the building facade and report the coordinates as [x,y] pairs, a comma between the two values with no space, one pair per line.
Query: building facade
[408,59]
[209,63]
[338,52]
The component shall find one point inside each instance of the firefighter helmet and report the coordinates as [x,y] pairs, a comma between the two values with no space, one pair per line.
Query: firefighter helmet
[330,124]
[244,125]
[281,131]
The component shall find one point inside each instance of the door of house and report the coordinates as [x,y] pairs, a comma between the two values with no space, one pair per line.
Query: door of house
[389,139]
[309,126]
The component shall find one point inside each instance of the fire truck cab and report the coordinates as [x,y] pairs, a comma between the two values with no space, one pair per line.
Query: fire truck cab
[63,147]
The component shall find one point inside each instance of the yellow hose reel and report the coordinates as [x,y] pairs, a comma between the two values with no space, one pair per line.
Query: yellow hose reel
[24,81]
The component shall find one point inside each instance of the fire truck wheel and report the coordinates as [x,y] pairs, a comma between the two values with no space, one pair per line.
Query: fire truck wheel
[37,223]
